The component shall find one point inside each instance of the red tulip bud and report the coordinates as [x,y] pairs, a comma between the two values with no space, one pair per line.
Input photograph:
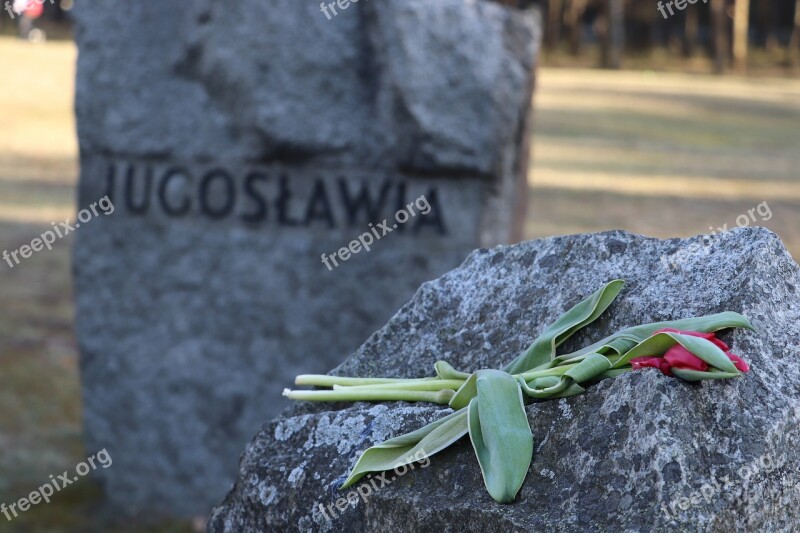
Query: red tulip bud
[708,336]
[680,357]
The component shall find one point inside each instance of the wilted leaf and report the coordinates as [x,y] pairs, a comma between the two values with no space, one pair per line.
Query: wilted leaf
[694,375]
[445,370]
[410,447]
[591,367]
[466,393]
[545,387]
[500,434]
[544,347]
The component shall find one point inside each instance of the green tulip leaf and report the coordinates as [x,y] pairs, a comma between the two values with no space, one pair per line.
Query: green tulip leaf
[445,370]
[544,347]
[465,393]
[500,434]
[696,375]
[545,387]
[411,447]
[545,382]
[650,347]
[573,390]
[588,369]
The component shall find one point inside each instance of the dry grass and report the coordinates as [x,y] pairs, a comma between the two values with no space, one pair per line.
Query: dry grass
[664,154]
[40,422]
[659,154]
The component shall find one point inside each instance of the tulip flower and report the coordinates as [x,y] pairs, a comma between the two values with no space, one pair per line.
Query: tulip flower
[707,336]
[681,358]
[489,404]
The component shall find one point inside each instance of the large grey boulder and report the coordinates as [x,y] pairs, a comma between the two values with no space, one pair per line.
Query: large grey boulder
[239,142]
[638,453]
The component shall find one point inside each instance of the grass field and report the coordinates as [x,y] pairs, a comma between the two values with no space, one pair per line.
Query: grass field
[664,154]
[660,154]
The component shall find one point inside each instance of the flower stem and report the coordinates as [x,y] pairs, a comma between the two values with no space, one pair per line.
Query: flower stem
[417,385]
[321,380]
[555,371]
[350,395]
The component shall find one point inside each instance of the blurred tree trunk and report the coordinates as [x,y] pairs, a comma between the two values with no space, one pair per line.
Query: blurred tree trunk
[691,32]
[554,17]
[772,43]
[574,18]
[741,32]
[614,34]
[767,21]
[719,35]
[794,42]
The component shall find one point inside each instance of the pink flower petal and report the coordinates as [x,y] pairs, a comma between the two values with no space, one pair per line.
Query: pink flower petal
[680,357]
[721,345]
[740,363]
[652,362]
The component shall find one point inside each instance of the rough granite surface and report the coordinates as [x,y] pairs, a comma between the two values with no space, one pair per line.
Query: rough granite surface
[642,452]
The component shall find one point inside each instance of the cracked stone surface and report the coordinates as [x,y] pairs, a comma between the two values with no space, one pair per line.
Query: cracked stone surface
[638,453]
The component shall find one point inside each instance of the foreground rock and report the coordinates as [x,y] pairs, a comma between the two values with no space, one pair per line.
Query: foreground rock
[637,453]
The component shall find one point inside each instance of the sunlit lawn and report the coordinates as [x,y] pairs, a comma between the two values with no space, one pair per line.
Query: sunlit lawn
[664,154]
[661,154]
[40,419]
